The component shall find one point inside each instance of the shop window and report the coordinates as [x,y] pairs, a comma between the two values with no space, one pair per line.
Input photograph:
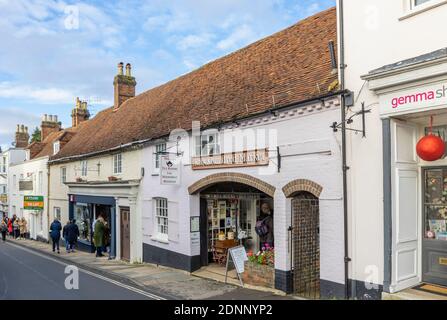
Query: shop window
[161,217]
[207,145]
[435,204]
[117,163]
[159,150]
[83,220]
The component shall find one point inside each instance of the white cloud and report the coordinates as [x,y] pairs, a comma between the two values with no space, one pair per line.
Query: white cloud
[241,36]
[194,41]
[41,95]
[9,120]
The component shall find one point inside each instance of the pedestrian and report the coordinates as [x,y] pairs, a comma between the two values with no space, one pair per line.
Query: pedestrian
[64,234]
[99,236]
[10,227]
[72,235]
[264,226]
[55,233]
[23,228]
[3,229]
[16,228]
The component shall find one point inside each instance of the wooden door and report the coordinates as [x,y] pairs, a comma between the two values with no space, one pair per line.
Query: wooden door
[125,233]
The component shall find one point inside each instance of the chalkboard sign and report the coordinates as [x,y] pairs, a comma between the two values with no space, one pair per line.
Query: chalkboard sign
[238,256]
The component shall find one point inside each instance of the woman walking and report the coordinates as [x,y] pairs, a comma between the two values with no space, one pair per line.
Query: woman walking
[16,228]
[23,228]
[10,227]
[55,233]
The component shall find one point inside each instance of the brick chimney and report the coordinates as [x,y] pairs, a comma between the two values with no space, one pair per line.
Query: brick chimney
[80,113]
[124,85]
[49,125]
[22,136]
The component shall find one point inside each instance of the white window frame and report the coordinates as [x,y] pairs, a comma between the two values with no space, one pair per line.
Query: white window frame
[57,213]
[411,8]
[118,163]
[84,168]
[3,165]
[203,147]
[63,175]
[40,182]
[56,147]
[159,147]
[161,220]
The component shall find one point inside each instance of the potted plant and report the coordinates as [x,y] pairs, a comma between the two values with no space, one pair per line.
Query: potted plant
[79,179]
[112,179]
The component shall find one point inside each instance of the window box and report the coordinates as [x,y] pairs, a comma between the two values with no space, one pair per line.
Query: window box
[79,179]
[113,179]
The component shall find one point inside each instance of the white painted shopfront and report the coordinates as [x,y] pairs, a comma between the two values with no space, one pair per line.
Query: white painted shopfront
[410,93]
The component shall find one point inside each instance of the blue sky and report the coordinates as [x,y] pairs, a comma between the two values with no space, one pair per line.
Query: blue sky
[53,51]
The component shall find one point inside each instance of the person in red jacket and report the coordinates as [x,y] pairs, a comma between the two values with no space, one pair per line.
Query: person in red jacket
[10,227]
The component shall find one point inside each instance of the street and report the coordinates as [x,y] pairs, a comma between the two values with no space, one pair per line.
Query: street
[25,274]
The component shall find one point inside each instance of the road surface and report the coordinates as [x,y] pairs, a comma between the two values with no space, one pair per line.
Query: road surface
[25,274]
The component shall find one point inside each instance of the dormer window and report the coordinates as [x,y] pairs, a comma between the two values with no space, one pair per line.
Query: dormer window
[56,147]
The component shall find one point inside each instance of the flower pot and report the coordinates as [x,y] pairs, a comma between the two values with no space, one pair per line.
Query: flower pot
[259,275]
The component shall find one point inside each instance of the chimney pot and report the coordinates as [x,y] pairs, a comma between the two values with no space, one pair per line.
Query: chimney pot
[128,70]
[120,68]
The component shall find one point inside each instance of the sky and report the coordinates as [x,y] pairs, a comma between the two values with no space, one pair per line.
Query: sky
[54,51]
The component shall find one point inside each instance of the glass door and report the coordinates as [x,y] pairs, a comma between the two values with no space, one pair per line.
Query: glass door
[434,249]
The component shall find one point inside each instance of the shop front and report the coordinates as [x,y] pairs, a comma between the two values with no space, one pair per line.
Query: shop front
[413,107]
[84,210]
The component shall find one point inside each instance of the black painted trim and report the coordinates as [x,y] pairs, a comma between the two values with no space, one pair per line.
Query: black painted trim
[387,204]
[284,281]
[332,290]
[361,292]
[168,258]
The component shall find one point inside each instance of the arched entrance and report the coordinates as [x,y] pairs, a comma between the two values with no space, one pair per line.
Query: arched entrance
[230,206]
[305,216]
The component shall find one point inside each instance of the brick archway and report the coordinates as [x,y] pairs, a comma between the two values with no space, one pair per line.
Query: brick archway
[301,185]
[232,177]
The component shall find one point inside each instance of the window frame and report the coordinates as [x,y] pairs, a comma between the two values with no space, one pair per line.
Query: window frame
[118,163]
[161,219]
[84,168]
[159,148]
[63,175]
[411,8]
[56,147]
[199,147]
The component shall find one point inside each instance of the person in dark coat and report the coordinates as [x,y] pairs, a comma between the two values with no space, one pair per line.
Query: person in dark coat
[266,217]
[3,229]
[72,234]
[64,234]
[99,236]
[55,234]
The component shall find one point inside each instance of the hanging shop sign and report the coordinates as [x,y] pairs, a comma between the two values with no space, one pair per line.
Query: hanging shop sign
[169,171]
[3,198]
[33,202]
[251,158]
[415,99]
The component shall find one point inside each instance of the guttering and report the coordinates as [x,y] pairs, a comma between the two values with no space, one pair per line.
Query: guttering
[96,153]
[345,167]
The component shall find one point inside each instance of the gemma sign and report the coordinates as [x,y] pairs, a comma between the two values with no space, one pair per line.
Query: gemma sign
[414,99]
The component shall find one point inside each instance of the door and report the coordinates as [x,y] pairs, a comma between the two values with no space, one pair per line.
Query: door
[204,259]
[405,206]
[434,244]
[125,233]
[306,245]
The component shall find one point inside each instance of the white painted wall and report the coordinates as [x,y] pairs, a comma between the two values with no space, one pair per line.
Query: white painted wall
[377,33]
[12,156]
[37,221]
[310,150]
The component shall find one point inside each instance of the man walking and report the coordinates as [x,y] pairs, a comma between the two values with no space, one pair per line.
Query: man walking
[55,233]
[72,235]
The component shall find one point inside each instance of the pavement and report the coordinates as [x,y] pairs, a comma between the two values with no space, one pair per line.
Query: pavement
[132,281]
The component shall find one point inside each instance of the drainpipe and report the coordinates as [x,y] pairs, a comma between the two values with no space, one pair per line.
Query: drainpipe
[345,168]
[48,201]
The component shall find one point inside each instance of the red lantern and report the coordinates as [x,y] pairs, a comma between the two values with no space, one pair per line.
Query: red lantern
[431,147]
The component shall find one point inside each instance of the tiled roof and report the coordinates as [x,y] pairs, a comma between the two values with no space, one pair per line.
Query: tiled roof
[46,146]
[290,66]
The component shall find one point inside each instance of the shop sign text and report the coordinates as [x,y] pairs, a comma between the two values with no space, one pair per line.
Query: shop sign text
[232,160]
[33,203]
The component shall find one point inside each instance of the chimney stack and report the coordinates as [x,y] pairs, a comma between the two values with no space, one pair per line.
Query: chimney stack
[80,113]
[124,85]
[49,125]
[22,136]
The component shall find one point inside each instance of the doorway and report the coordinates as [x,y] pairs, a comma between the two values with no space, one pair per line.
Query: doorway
[306,245]
[434,243]
[125,233]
